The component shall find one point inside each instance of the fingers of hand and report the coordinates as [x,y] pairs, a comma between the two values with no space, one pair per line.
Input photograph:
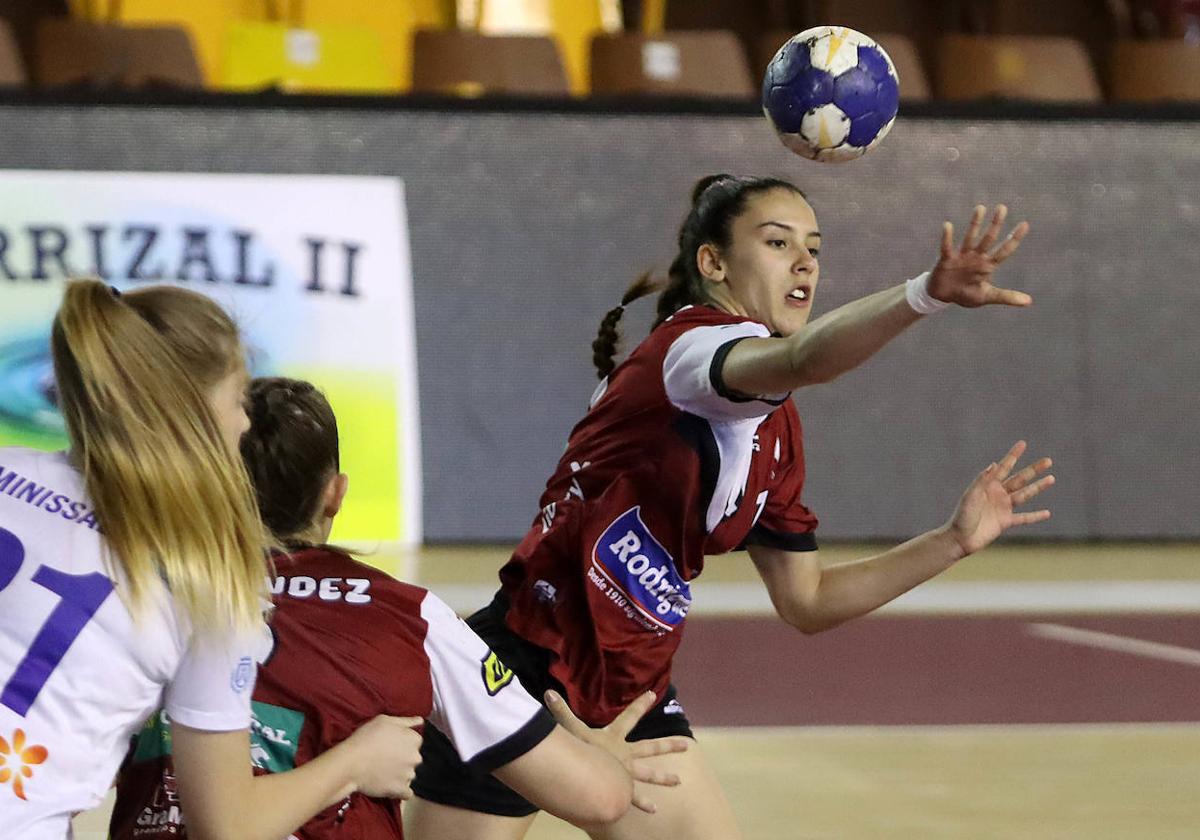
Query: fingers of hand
[643,804]
[562,713]
[1008,297]
[1023,495]
[1027,475]
[1010,243]
[634,712]
[947,240]
[969,241]
[1029,518]
[650,776]
[1010,460]
[659,746]
[993,231]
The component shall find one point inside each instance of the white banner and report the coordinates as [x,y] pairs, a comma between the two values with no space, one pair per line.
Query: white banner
[315,269]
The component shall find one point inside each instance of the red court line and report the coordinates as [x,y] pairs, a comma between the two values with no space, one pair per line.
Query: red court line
[933,670]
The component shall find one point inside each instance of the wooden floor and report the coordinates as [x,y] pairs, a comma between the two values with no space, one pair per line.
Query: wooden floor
[1091,781]
[1123,782]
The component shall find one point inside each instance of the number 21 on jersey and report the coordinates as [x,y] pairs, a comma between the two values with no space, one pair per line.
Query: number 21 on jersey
[79,598]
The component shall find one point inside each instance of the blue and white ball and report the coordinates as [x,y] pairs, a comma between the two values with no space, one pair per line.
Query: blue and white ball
[831,94]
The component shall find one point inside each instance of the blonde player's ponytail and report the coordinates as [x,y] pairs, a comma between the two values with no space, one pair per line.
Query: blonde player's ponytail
[174,504]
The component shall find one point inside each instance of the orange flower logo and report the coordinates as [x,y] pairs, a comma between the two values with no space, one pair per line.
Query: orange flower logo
[15,761]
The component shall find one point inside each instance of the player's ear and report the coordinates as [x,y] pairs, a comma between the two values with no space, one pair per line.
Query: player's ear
[334,495]
[708,260]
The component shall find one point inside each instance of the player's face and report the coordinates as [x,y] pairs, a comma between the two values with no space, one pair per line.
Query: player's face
[228,401]
[771,267]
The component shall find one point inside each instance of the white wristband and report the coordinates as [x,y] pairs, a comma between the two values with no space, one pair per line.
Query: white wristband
[916,291]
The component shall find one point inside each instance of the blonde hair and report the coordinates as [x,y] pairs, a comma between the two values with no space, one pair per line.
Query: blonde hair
[174,504]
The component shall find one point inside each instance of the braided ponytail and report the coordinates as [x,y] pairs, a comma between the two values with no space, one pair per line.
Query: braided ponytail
[604,348]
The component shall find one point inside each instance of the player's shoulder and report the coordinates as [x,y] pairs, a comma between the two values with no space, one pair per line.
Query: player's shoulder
[709,318]
[700,315]
[25,460]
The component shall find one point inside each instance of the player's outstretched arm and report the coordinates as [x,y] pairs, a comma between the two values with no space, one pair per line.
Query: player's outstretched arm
[223,800]
[812,598]
[585,775]
[843,339]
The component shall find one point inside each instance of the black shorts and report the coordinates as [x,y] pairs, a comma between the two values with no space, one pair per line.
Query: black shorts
[443,777]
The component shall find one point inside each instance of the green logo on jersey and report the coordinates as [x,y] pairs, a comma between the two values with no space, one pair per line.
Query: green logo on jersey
[274,734]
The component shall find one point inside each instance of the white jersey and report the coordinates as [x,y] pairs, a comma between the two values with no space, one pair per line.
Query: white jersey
[78,673]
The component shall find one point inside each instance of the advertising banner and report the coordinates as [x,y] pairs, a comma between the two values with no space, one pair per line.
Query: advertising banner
[315,270]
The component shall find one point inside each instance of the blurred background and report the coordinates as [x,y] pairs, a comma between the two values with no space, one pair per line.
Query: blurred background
[426,207]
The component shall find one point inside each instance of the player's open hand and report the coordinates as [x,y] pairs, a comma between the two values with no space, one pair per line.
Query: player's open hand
[612,739]
[963,274]
[388,750]
[987,508]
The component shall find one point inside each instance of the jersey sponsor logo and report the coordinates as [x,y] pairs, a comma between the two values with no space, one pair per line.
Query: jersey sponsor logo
[17,760]
[640,572]
[546,592]
[163,816]
[274,736]
[243,675]
[672,707]
[154,740]
[496,674]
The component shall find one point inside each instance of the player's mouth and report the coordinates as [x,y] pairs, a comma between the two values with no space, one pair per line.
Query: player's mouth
[800,297]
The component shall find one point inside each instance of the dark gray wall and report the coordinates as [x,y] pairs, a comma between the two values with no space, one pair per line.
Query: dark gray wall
[526,228]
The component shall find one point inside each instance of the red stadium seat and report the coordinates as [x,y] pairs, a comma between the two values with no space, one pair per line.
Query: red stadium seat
[1003,67]
[467,63]
[12,68]
[705,64]
[73,52]
[1155,71]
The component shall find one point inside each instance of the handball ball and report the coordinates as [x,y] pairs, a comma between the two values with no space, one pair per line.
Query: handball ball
[831,94]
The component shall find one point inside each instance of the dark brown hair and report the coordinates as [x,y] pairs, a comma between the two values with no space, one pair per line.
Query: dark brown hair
[291,451]
[717,201]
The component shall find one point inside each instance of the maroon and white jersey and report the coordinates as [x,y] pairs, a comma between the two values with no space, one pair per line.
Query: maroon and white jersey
[667,466]
[350,643]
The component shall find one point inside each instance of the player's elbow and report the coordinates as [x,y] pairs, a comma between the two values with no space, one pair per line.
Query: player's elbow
[804,617]
[608,804]
[612,807]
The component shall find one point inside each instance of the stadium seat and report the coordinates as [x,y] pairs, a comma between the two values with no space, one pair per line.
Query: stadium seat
[22,17]
[914,81]
[395,22]
[571,23]
[206,21]
[74,52]
[1155,71]
[1093,23]
[470,64]
[1004,67]
[704,64]
[749,20]
[12,68]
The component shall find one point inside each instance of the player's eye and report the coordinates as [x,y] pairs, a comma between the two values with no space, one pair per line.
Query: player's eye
[777,243]
[816,252]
